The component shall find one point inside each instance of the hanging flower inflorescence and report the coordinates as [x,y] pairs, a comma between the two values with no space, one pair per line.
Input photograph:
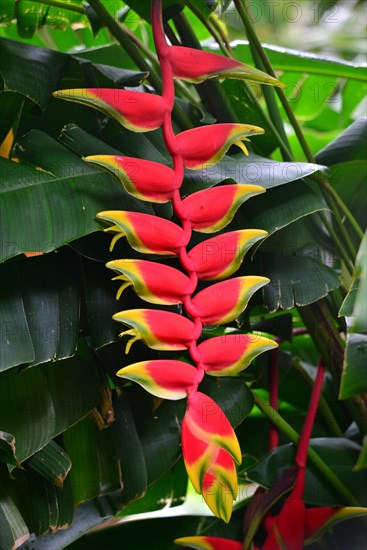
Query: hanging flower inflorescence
[209,444]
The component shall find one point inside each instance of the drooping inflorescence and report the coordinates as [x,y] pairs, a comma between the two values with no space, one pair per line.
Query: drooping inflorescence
[209,444]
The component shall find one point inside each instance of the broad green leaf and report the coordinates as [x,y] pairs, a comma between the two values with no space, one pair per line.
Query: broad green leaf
[361,463]
[10,106]
[285,59]
[46,400]
[253,169]
[350,145]
[155,534]
[17,346]
[39,195]
[339,453]
[7,9]
[295,280]
[8,449]
[100,304]
[27,14]
[121,77]
[107,460]
[45,507]
[354,95]
[13,529]
[169,490]
[354,377]
[356,299]
[279,208]
[95,468]
[52,463]
[30,71]
[40,311]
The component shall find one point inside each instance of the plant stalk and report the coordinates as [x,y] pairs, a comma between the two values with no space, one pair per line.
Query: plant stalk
[317,461]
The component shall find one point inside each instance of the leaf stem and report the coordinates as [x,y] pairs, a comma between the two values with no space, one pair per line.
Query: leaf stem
[62,5]
[318,462]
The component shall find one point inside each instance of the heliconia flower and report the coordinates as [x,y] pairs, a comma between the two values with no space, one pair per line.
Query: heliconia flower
[137,111]
[153,282]
[220,256]
[223,470]
[212,209]
[198,455]
[218,496]
[209,543]
[206,420]
[211,471]
[288,528]
[167,379]
[231,353]
[144,179]
[161,330]
[145,233]
[196,66]
[208,144]
[223,302]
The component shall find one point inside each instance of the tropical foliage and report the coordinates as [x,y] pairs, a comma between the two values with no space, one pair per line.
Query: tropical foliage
[272,344]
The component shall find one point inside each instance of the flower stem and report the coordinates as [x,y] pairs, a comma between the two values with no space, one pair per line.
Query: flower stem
[304,441]
[324,408]
[328,475]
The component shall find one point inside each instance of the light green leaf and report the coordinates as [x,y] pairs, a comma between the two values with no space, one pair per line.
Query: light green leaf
[285,59]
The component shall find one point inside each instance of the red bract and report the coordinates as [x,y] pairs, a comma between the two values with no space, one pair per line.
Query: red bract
[207,145]
[153,282]
[163,378]
[231,353]
[137,111]
[224,302]
[209,446]
[160,330]
[196,66]
[206,420]
[145,233]
[221,256]
[212,209]
[144,179]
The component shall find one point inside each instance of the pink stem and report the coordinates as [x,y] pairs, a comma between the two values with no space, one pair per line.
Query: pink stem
[273,395]
[301,454]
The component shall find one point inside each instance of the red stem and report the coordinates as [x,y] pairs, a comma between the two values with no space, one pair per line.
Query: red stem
[301,454]
[168,93]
